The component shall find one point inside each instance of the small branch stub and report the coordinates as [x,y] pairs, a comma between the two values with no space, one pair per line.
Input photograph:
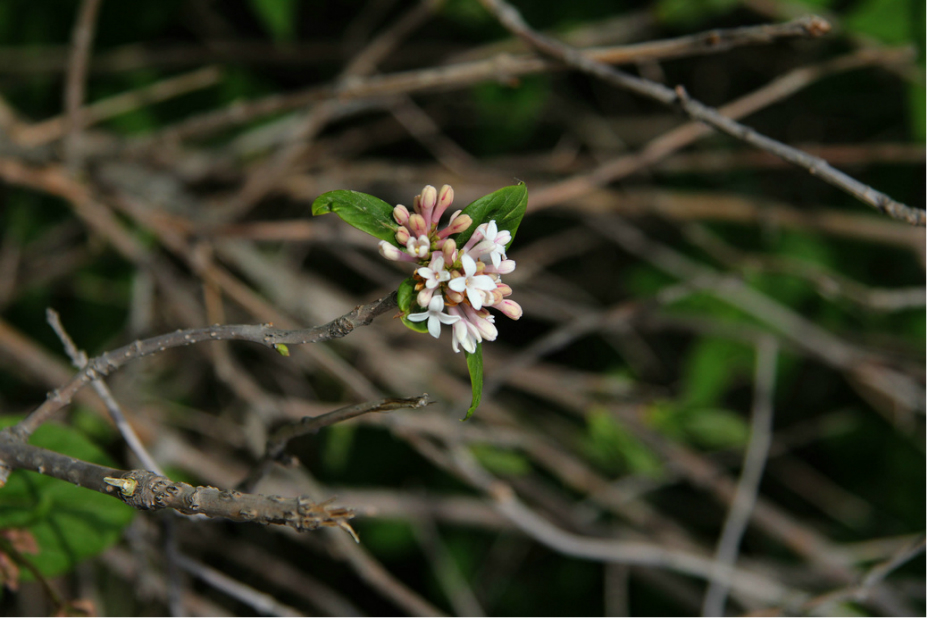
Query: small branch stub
[126,486]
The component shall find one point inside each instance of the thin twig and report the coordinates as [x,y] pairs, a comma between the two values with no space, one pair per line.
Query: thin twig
[503,66]
[509,17]
[749,483]
[79,360]
[75,82]
[263,603]
[264,334]
[277,441]
[54,128]
[660,147]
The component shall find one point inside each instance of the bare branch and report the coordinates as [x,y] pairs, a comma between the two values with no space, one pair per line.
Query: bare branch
[511,19]
[264,334]
[147,491]
[749,483]
[75,83]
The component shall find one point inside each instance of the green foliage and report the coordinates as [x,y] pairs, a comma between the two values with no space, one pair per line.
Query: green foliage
[615,449]
[506,206]
[712,428]
[475,367]
[339,442]
[917,103]
[711,367]
[388,538]
[501,461]
[509,116]
[365,212]
[691,13]
[278,17]
[405,297]
[69,523]
[890,21]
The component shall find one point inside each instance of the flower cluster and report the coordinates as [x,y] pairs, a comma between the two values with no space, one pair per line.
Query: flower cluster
[465,280]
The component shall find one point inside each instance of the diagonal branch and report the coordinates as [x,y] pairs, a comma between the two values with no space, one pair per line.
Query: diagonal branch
[264,334]
[509,17]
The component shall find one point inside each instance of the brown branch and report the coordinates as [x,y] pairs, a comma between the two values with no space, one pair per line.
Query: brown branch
[503,66]
[54,128]
[755,457]
[509,17]
[148,491]
[278,440]
[679,137]
[264,334]
[75,83]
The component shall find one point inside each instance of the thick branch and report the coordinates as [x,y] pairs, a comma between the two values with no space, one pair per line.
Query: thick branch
[146,490]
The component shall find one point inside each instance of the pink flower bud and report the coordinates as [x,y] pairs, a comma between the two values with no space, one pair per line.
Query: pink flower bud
[424,297]
[402,235]
[445,199]
[504,267]
[509,309]
[454,297]
[427,205]
[390,252]
[401,214]
[505,289]
[417,225]
[449,249]
[457,225]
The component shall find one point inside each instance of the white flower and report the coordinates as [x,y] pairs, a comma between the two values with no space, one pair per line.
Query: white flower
[435,316]
[492,244]
[418,247]
[474,284]
[464,337]
[434,273]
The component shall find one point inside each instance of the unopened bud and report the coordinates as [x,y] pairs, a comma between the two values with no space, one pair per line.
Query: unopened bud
[509,309]
[454,297]
[401,214]
[424,297]
[417,225]
[504,289]
[458,225]
[402,235]
[504,267]
[429,198]
[390,252]
[449,249]
[445,199]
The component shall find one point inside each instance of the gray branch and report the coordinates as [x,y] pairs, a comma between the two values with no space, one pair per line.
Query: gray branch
[148,491]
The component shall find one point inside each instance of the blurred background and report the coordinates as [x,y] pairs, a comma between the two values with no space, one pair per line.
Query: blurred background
[678,288]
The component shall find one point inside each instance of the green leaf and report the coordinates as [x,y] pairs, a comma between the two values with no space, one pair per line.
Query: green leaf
[501,461]
[405,297]
[365,212]
[506,206]
[890,21]
[615,448]
[475,365]
[69,523]
[716,428]
[711,367]
[279,17]
[917,101]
